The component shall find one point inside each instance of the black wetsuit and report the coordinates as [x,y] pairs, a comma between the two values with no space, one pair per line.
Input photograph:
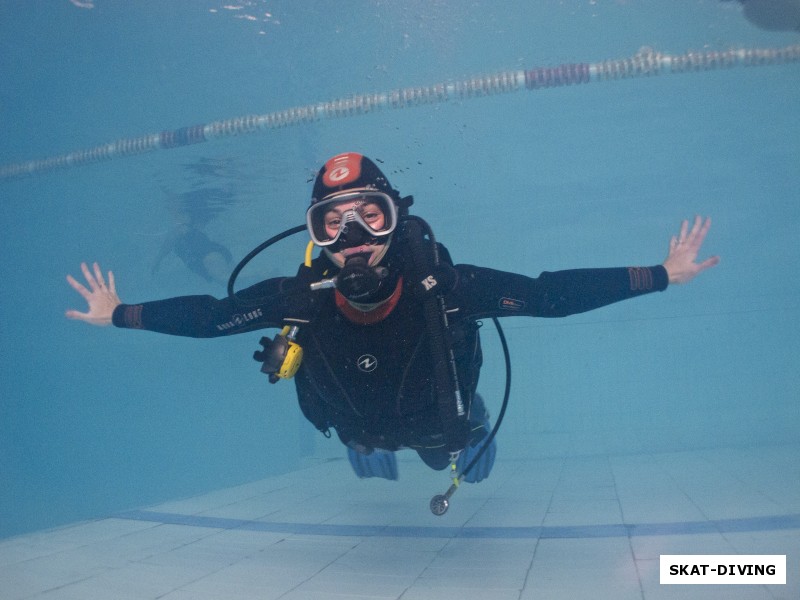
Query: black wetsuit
[373,383]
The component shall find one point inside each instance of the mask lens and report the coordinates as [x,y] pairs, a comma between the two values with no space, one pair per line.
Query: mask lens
[374,212]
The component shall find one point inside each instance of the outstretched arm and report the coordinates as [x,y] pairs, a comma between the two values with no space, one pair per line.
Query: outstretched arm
[681,262]
[101,297]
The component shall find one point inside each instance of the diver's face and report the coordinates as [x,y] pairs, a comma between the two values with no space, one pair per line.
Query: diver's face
[371,214]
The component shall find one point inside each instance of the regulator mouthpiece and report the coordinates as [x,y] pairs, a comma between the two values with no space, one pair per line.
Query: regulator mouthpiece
[357,280]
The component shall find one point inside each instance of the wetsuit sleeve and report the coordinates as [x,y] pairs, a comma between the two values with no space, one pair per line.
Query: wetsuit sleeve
[482,292]
[262,305]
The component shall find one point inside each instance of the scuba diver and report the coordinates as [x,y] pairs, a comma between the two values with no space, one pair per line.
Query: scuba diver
[192,211]
[383,324]
[202,256]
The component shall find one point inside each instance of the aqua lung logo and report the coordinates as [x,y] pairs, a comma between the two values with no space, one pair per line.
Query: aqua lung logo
[240,319]
[367,363]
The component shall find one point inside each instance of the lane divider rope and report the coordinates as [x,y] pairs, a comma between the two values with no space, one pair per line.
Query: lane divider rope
[644,63]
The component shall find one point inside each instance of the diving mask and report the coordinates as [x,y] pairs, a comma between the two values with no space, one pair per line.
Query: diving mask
[335,218]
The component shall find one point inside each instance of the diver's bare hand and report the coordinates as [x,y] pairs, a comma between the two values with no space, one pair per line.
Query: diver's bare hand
[101,298]
[681,262]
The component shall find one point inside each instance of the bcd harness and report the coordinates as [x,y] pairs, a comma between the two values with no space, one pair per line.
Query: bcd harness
[281,357]
[430,280]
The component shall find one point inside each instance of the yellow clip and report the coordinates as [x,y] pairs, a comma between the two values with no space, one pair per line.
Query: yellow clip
[291,362]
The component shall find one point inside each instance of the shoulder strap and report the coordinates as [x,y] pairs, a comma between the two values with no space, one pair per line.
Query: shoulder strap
[425,266]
